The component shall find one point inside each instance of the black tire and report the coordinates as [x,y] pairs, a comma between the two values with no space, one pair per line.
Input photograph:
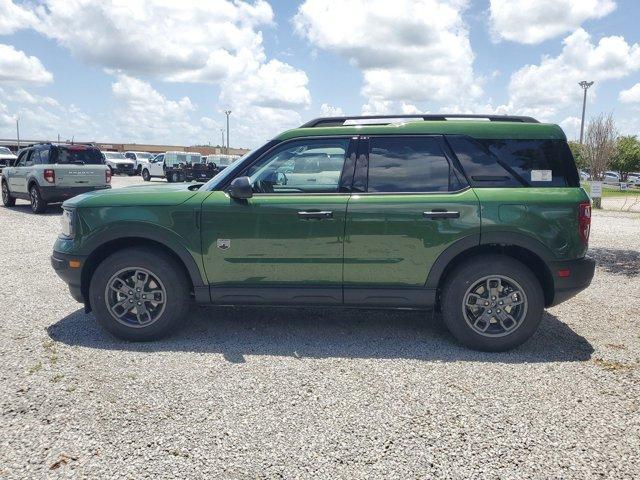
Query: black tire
[145,175]
[38,205]
[7,199]
[473,272]
[138,170]
[170,275]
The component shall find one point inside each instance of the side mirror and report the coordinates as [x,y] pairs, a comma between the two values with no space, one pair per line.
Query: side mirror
[240,188]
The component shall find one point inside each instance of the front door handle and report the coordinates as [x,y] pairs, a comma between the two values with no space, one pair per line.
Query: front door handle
[315,215]
[439,214]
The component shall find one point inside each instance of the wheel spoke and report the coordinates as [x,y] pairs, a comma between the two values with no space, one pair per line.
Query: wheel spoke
[478,301]
[506,320]
[513,298]
[155,296]
[484,319]
[124,304]
[142,313]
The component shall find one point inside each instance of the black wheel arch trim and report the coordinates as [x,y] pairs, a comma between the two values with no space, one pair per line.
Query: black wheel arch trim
[510,239]
[148,233]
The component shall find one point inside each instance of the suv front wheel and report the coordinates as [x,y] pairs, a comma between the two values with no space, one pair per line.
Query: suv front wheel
[138,294]
[492,303]
[7,199]
[145,175]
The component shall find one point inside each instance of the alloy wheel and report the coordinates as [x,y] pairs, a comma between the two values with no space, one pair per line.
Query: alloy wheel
[135,297]
[494,306]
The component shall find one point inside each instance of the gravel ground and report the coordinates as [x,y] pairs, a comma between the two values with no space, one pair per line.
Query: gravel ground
[316,393]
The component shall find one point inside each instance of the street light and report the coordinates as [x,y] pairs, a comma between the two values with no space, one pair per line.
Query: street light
[585,86]
[222,136]
[227,113]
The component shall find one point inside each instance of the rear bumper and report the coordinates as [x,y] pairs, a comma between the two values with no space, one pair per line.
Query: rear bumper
[580,275]
[71,276]
[60,194]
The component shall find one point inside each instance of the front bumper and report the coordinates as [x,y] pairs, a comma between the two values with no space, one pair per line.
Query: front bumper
[580,275]
[53,194]
[72,276]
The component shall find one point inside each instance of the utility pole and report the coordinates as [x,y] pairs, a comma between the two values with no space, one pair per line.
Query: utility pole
[18,131]
[227,113]
[585,86]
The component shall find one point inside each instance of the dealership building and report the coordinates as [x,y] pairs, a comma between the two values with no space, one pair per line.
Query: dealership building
[14,145]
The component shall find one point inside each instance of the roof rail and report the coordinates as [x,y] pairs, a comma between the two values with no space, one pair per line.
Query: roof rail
[388,119]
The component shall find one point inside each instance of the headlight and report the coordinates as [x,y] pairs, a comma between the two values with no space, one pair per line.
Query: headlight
[67,223]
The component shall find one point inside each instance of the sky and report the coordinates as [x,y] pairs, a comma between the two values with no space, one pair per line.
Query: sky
[163,71]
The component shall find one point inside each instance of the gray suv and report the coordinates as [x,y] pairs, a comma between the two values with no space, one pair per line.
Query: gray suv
[51,173]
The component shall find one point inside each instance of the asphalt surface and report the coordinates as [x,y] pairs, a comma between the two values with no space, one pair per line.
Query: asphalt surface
[315,393]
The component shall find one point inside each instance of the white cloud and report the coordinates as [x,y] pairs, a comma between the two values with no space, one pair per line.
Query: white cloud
[327,110]
[631,95]
[145,115]
[14,17]
[17,67]
[410,51]
[530,22]
[544,89]
[571,127]
[43,118]
[216,42]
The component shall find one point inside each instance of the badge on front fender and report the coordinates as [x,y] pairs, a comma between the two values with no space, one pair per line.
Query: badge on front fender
[223,243]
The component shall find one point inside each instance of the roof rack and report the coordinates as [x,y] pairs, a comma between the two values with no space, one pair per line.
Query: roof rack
[389,119]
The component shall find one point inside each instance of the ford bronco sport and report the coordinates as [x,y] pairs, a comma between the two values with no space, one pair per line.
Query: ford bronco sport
[481,218]
[51,173]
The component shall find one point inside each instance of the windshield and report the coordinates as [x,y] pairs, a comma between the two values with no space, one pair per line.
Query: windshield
[5,150]
[115,155]
[143,155]
[79,155]
[231,170]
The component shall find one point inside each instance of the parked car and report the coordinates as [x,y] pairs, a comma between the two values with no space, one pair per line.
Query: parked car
[429,212]
[170,165]
[118,163]
[584,175]
[634,178]
[7,157]
[51,173]
[611,177]
[140,159]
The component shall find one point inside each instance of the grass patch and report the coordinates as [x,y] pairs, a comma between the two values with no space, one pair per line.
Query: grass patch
[613,191]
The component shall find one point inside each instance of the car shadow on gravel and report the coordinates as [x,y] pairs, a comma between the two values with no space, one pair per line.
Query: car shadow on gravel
[238,332]
[617,261]
[25,209]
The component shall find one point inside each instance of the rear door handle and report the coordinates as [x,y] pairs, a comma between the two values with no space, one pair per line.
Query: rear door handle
[315,215]
[438,214]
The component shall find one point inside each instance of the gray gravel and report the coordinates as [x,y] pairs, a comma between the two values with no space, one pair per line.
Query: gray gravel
[316,393]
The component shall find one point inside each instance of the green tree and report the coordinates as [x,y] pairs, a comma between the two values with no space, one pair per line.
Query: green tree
[578,154]
[627,157]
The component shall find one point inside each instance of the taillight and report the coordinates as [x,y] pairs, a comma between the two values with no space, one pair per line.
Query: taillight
[107,175]
[584,221]
[50,175]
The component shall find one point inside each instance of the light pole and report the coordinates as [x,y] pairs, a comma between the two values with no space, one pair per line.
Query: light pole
[18,131]
[227,113]
[222,136]
[585,86]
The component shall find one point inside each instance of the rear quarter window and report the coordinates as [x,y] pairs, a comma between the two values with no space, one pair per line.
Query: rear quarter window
[516,162]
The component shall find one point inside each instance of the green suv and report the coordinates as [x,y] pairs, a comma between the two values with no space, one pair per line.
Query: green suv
[482,218]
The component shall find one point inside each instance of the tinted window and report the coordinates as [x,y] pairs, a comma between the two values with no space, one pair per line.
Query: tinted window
[305,166]
[506,163]
[79,155]
[44,156]
[409,164]
[542,163]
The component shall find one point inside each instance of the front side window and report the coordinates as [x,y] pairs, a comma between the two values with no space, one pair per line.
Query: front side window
[304,166]
[410,164]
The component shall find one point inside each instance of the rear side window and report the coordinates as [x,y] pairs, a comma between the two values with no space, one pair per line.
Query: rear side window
[516,162]
[410,164]
[79,156]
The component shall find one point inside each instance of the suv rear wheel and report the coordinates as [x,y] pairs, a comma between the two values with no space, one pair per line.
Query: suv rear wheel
[7,199]
[38,205]
[139,295]
[492,303]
